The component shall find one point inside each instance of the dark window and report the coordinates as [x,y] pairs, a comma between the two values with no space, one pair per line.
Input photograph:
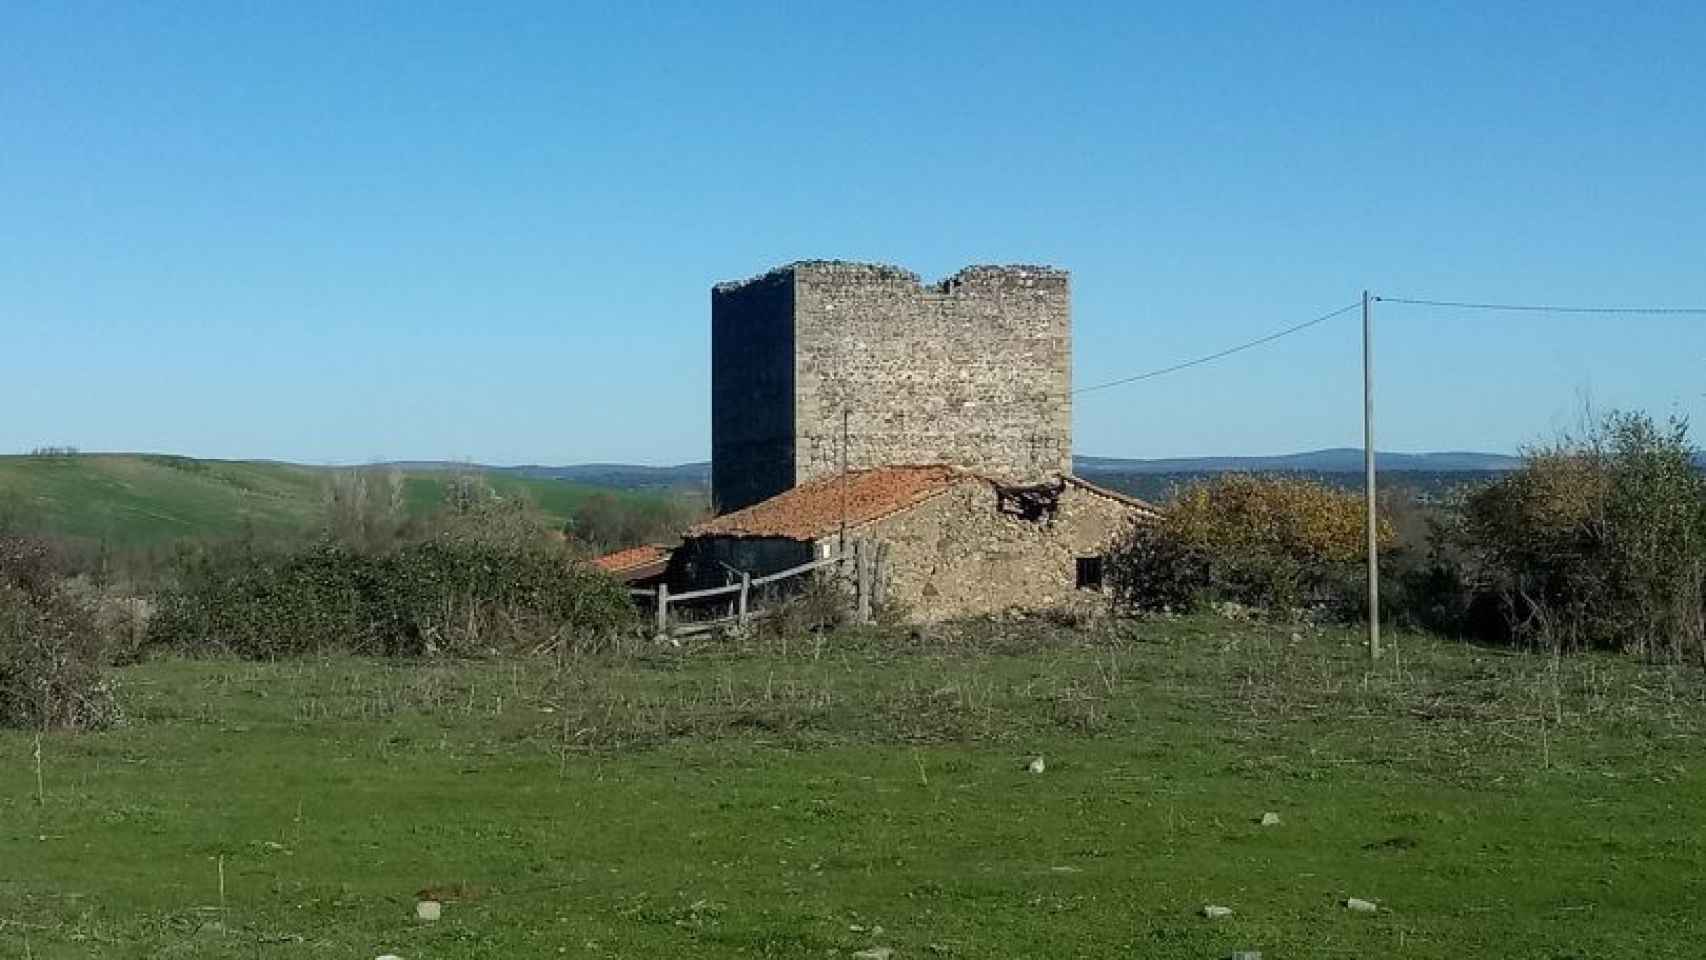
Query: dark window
[1089,573]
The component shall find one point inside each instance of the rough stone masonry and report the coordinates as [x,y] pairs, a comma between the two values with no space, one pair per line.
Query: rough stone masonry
[974,371]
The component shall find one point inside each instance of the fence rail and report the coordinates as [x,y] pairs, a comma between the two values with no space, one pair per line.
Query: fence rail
[865,576]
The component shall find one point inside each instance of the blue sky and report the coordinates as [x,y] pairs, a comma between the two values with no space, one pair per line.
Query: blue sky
[335,232]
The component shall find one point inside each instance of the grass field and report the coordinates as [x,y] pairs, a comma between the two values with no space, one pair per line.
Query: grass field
[815,798]
[141,500]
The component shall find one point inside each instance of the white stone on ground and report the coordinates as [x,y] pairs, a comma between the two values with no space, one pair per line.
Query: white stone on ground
[1361,906]
[1214,912]
[1270,819]
[428,909]
[875,953]
[1036,765]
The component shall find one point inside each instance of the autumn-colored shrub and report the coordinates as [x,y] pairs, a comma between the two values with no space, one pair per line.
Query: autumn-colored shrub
[1274,542]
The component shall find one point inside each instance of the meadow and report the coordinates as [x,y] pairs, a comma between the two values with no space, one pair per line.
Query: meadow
[794,795]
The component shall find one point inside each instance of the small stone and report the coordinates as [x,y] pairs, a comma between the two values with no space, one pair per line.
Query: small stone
[387,956]
[428,910]
[1214,912]
[1245,955]
[875,953]
[1361,906]
[1270,819]
[1036,765]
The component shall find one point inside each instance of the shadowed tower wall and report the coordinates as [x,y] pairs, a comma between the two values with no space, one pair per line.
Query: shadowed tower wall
[974,371]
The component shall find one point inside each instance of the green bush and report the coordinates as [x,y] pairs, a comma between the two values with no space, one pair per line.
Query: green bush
[1270,542]
[51,651]
[1599,541]
[458,595]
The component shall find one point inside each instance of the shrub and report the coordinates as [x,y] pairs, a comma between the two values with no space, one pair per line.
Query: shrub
[51,654]
[452,594]
[1598,541]
[1271,542]
[822,604]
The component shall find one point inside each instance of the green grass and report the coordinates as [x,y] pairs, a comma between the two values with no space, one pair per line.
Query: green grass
[143,500]
[786,799]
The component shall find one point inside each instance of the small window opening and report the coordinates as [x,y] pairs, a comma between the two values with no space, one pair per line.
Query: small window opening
[1089,573]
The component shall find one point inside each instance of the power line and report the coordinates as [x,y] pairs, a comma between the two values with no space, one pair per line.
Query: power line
[1229,351]
[1536,308]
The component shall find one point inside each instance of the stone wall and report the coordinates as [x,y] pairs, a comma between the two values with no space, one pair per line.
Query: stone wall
[974,371]
[961,554]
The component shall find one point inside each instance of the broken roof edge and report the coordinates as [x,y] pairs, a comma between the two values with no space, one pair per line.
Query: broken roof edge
[1115,495]
[889,272]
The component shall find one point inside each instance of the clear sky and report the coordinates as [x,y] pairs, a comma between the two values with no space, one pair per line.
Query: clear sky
[335,231]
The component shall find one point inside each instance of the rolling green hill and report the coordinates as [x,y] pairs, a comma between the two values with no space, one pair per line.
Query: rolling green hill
[133,500]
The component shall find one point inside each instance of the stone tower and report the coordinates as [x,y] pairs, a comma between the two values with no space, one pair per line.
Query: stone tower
[974,371]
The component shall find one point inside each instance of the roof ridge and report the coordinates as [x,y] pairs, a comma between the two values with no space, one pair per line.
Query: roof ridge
[1112,494]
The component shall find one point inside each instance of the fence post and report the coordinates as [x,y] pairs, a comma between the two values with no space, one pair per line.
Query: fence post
[862,570]
[663,611]
[745,589]
[879,589]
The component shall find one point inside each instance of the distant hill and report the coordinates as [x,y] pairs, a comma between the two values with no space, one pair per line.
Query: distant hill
[1337,460]
[621,475]
[132,500]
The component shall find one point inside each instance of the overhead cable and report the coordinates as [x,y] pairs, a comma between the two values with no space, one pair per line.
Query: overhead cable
[1229,351]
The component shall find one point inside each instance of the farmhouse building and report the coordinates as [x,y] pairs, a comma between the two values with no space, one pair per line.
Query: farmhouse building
[852,403]
[952,542]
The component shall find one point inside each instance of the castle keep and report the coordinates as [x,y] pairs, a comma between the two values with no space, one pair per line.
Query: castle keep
[973,371]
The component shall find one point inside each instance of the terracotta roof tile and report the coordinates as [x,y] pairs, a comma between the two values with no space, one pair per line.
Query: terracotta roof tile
[623,561]
[815,509]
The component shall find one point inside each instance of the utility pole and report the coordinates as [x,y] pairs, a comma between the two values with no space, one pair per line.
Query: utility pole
[1368,466]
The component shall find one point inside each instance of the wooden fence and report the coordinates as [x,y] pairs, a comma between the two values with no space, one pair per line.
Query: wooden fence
[865,578]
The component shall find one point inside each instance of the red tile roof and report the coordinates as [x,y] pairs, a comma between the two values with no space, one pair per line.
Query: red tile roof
[633,558]
[816,509]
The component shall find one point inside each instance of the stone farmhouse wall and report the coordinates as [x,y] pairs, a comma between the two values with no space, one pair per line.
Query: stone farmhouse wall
[960,554]
[974,371]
